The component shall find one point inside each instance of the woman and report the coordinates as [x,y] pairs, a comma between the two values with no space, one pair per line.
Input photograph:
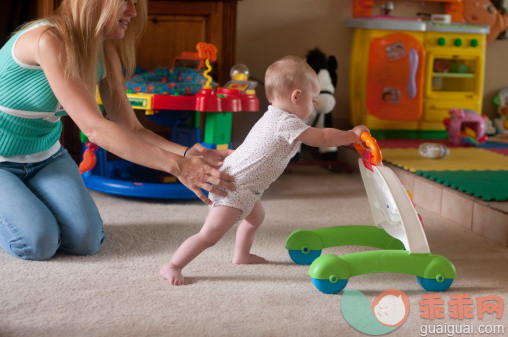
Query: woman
[49,68]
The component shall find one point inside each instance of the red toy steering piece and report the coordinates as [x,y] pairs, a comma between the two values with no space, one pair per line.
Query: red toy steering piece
[374,157]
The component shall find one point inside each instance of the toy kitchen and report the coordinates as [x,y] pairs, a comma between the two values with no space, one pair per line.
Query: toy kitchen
[406,74]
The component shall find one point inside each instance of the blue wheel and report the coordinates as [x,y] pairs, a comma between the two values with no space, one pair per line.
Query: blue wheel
[330,286]
[438,284]
[304,256]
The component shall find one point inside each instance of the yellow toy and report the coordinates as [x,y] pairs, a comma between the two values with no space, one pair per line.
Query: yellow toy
[406,74]
[208,52]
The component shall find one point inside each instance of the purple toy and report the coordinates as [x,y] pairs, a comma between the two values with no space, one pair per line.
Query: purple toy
[462,118]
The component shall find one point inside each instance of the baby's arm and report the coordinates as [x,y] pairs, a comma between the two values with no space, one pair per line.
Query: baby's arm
[331,137]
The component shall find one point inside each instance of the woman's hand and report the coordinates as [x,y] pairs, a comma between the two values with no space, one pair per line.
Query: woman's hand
[216,157]
[198,173]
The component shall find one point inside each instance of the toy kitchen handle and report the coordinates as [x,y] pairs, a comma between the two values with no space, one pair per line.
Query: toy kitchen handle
[413,68]
[375,155]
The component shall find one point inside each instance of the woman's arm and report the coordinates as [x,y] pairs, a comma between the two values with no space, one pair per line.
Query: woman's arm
[120,111]
[194,172]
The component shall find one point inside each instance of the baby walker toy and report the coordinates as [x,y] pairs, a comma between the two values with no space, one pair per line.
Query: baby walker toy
[398,231]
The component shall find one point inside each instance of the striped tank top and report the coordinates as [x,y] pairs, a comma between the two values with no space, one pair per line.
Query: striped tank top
[29,111]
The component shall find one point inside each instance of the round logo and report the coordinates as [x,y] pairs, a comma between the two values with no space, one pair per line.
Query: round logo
[388,311]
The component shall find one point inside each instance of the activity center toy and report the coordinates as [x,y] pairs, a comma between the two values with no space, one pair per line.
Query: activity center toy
[398,232]
[187,100]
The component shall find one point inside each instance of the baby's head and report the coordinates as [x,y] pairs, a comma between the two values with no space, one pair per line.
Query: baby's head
[292,85]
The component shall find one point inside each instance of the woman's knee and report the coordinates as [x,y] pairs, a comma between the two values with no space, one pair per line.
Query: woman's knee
[37,245]
[28,229]
[87,239]
[90,244]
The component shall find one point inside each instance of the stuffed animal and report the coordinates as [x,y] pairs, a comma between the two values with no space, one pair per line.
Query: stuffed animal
[321,117]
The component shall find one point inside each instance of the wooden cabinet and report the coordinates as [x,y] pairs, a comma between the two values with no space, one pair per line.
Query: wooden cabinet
[46,7]
[176,26]
[173,27]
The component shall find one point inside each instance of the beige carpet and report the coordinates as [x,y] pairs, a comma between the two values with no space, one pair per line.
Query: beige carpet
[119,292]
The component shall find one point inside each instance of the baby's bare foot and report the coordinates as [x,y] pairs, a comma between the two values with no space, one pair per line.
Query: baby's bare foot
[173,274]
[249,259]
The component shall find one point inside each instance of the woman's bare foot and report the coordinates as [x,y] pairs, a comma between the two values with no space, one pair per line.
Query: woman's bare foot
[173,274]
[249,259]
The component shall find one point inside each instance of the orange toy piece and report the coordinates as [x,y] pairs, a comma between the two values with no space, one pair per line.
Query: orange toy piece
[89,158]
[362,8]
[188,59]
[207,51]
[377,156]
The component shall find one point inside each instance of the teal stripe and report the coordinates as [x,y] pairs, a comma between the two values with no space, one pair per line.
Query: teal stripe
[26,89]
[20,136]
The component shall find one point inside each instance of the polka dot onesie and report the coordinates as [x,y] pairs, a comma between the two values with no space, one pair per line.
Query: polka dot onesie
[261,158]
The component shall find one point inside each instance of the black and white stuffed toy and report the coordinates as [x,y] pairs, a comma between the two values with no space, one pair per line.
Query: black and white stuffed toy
[321,117]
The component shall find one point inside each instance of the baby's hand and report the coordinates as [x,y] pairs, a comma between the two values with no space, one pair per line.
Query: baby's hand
[358,130]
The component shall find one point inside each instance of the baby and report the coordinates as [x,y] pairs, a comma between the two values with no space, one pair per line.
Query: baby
[292,86]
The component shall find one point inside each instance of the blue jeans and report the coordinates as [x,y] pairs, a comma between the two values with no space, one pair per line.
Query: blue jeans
[45,207]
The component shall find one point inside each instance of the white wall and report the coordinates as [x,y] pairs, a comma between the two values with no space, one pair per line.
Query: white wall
[270,29]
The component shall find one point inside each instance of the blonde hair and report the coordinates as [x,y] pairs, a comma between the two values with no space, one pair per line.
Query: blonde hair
[287,74]
[82,25]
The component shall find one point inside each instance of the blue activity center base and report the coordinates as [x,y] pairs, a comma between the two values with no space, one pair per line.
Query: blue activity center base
[123,178]
[138,189]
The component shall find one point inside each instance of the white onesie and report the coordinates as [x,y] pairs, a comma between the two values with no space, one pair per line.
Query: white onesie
[261,159]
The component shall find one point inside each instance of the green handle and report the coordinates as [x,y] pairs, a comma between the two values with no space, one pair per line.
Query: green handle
[327,237]
[425,265]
